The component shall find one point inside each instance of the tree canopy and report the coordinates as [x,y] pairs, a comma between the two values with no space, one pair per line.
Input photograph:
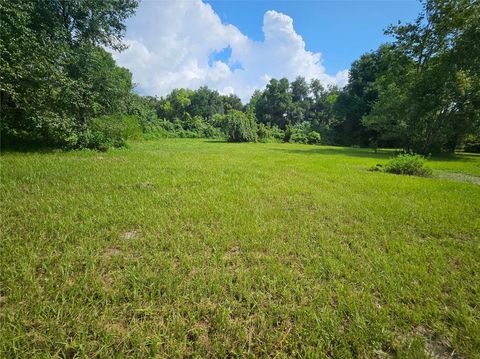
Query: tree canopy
[420,93]
[56,74]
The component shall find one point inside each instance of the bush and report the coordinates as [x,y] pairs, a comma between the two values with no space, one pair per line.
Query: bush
[408,164]
[302,133]
[313,138]
[240,127]
[195,127]
[298,136]
[109,131]
[267,133]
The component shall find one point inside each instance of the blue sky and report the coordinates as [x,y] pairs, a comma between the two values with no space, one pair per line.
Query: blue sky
[238,46]
[340,30]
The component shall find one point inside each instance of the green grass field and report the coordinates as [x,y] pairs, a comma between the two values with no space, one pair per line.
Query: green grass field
[194,248]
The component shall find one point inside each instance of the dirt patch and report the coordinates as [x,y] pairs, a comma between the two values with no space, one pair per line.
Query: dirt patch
[131,234]
[176,263]
[232,253]
[200,333]
[435,346]
[117,328]
[111,252]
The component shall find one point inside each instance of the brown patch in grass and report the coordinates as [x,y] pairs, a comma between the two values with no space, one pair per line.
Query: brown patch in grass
[232,253]
[131,234]
[176,263]
[120,328]
[111,252]
[200,333]
[435,347]
[377,303]
[3,300]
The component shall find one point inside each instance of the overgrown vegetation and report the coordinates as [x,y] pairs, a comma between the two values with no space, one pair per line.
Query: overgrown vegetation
[240,127]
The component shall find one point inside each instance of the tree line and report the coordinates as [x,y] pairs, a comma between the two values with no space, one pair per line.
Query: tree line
[59,86]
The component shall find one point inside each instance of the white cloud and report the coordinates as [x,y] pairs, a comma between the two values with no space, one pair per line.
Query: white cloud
[171,43]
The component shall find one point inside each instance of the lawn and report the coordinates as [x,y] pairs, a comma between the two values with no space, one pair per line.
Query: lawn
[195,248]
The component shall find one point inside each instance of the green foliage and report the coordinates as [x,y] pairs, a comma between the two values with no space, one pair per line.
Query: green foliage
[203,102]
[297,135]
[267,133]
[408,164]
[313,138]
[433,102]
[273,104]
[109,131]
[197,128]
[302,133]
[472,144]
[56,75]
[358,97]
[299,103]
[240,127]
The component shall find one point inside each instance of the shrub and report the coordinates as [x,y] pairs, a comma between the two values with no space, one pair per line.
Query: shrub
[267,133]
[302,133]
[109,131]
[408,164]
[196,127]
[240,127]
[313,138]
[298,136]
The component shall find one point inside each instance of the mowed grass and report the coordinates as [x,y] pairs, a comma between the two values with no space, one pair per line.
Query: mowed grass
[193,248]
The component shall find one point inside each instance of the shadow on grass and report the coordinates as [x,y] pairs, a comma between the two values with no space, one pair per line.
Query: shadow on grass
[218,141]
[383,154]
[343,151]
[457,157]
[29,149]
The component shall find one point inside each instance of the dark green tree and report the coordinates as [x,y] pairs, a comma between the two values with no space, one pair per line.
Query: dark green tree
[301,102]
[274,104]
[55,74]
[433,105]
[358,97]
[205,103]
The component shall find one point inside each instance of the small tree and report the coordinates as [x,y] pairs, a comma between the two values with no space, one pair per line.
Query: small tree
[240,127]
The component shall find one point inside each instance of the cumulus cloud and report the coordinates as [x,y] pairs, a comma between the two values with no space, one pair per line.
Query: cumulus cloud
[171,46]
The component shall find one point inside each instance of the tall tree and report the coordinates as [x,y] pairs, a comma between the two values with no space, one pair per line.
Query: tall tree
[301,102]
[205,103]
[357,98]
[274,104]
[55,73]
[438,97]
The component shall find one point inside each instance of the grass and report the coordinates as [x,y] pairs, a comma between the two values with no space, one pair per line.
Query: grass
[189,248]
